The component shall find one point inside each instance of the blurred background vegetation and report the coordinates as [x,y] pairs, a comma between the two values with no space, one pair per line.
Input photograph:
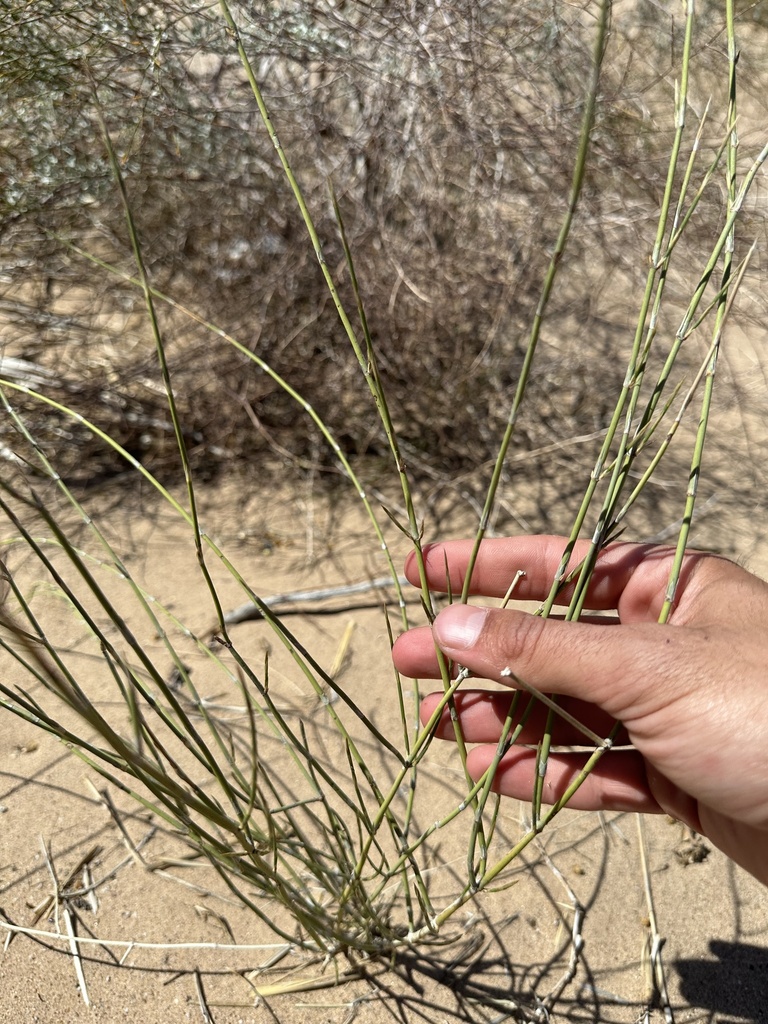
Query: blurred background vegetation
[448,131]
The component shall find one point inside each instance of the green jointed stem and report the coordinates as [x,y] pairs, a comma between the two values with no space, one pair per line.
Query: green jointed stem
[633,376]
[577,183]
[366,359]
[369,367]
[282,632]
[336,448]
[333,291]
[286,637]
[706,405]
[166,375]
[732,289]
[289,390]
[122,571]
[625,408]
[163,363]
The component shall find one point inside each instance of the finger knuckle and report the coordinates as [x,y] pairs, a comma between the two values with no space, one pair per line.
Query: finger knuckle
[521,637]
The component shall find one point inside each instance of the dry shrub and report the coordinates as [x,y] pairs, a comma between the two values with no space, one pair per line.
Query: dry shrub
[448,132]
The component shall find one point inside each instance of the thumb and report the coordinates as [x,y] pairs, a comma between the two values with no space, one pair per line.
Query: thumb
[609,665]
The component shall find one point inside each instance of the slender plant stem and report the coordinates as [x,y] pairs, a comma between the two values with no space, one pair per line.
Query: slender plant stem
[577,182]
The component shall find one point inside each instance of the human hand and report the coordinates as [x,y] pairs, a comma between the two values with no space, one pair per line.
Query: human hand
[692,696]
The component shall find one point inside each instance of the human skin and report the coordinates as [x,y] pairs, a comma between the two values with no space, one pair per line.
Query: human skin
[692,695]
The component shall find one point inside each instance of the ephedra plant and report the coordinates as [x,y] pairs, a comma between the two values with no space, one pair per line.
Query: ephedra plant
[342,845]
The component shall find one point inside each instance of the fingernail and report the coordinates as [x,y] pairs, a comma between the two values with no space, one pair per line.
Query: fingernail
[459,626]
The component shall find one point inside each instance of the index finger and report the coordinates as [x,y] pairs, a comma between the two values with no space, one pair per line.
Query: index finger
[631,578]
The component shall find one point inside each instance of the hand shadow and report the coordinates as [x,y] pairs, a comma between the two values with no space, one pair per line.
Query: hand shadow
[735,984]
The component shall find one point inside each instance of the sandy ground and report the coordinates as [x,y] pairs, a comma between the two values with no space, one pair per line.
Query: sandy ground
[164,943]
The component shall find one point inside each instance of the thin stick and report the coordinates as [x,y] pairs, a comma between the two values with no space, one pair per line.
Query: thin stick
[577,938]
[75,952]
[206,1013]
[129,944]
[657,964]
[250,611]
[106,800]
